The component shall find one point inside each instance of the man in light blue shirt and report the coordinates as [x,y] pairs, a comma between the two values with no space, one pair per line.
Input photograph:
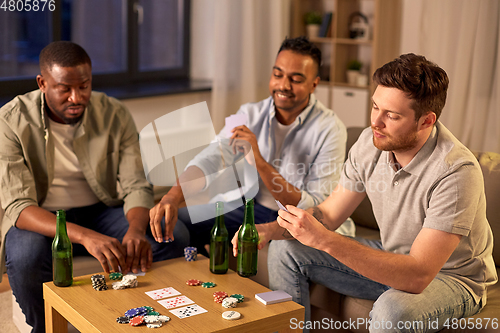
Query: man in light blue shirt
[297,147]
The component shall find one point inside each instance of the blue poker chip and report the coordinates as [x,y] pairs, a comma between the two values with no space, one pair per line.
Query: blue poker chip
[140,311]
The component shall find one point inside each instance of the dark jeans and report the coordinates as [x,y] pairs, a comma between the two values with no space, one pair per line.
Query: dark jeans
[29,257]
[200,232]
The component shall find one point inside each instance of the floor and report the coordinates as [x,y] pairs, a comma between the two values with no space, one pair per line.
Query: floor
[4,285]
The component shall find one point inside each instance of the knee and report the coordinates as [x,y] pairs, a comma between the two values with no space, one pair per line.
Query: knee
[284,255]
[393,311]
[27,250]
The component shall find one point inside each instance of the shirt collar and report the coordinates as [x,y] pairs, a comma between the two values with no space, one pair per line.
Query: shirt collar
[301,118]
[417,164]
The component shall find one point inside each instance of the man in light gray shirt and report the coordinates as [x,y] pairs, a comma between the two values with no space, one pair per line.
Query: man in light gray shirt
[434,260]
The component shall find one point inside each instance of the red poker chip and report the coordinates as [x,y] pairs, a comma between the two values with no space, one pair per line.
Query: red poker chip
[136,321]
[220,293]
[193,282]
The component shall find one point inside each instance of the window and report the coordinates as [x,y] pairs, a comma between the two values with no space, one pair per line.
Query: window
[129,41]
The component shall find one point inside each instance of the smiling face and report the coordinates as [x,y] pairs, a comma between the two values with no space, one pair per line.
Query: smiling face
[293,79]
[393,121]
[67,91]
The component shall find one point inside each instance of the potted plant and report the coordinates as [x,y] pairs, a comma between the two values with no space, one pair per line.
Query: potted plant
[353,71]
[313,24]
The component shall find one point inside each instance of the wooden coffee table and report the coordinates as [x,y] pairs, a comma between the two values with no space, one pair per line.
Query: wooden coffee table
[96,311]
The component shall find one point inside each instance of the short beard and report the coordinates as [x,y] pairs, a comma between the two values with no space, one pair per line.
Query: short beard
[404,143]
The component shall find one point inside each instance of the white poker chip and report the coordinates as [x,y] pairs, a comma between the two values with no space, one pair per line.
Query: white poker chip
[157,324]
[163,318]
[231,315]
[229,302]
[149,319]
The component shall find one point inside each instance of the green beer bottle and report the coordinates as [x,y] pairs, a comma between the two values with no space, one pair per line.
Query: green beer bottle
[219,242]
[62,253]
[248,239]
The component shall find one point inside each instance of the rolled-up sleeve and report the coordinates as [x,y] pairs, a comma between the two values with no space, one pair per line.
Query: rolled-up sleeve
[137,192]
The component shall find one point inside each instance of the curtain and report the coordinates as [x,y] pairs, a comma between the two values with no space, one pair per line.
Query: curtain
[248,34]
[463,37]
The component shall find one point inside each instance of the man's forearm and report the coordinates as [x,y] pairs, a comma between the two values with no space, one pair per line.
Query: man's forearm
[138,219]
[40,220]
[280,189]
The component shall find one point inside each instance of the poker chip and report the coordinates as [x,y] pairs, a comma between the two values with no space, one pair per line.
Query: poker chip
[140,311]
[231,315]
[149,319]
[157,324]
[136,321]
[193,282]
[219,296]
[190,253]
[229,302]
[153,313]
[239,297]
[98,282]
[123,320]
[128,281]
[115,275]
[208,284]
[163,318]
[143,315]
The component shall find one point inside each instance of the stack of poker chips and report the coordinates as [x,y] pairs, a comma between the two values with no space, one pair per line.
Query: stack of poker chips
[99,282]
[229,302]
[141,315]
[128,281]
[219,296]
[190,253]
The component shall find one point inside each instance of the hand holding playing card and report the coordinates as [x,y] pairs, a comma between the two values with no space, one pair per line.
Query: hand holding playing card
[301,225]
[244,141]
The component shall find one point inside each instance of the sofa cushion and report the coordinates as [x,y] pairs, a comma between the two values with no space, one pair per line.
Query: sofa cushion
[490,165]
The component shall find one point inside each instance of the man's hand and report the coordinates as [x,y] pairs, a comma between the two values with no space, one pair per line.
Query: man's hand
[266,232]
[243,140]
[139,252]
[167,208]
[302,225]
[108,250]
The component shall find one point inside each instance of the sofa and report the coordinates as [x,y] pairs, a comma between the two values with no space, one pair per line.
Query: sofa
[326,303]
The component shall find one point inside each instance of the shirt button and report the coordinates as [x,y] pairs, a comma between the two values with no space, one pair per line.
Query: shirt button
[396,183]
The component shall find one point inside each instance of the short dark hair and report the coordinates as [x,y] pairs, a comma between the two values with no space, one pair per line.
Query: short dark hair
[422,80]
[303,46]
[64,54]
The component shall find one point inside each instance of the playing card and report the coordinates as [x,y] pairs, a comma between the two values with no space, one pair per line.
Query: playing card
[175,302]
[280,205]
[235,120]
[162,293]
[188,311]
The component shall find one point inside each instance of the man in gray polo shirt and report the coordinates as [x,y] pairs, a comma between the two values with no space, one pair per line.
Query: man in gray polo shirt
[434,261]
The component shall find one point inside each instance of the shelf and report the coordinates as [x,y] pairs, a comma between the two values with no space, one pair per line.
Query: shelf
[321,40]
[384,20]
[350,41]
